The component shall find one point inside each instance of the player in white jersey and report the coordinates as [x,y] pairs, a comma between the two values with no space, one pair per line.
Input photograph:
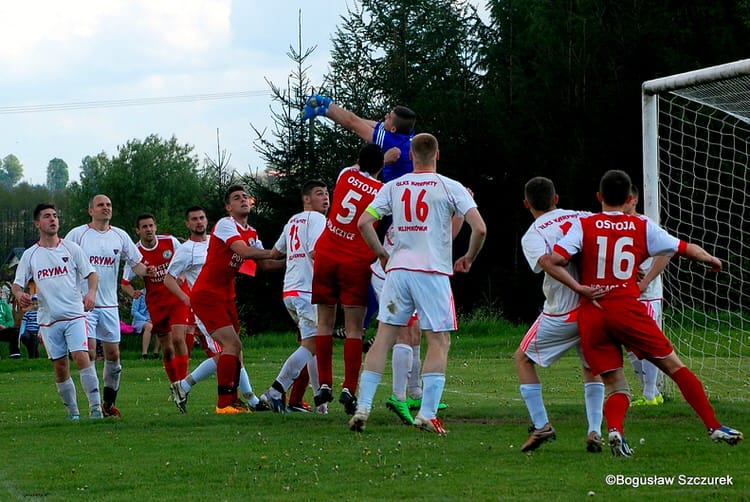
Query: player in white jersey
[106,246]
[651,295]
[57,267]
[418,272]
[297,243]
[556,330]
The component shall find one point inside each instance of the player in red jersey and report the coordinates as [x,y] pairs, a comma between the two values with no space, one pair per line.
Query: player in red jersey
[232,242]
[341,274]
[168,314]
[612,244]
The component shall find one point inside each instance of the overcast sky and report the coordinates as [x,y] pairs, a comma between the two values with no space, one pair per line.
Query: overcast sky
[80,51]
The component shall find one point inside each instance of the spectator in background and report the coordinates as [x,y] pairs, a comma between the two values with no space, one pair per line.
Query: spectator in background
[142,324]
[30,329]
[8,331]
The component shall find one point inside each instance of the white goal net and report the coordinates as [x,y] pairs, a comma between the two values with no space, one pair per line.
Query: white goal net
[696,150]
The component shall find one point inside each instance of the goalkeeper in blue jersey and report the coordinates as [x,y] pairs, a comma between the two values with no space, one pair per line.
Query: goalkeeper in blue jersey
[393,134]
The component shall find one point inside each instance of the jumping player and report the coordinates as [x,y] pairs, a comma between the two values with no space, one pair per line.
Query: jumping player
[342,273]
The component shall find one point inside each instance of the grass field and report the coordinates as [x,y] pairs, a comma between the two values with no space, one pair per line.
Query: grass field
[153,452]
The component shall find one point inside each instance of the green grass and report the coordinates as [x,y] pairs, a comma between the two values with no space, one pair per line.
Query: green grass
[153,452]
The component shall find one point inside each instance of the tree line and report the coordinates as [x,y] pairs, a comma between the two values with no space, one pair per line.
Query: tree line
[542,88]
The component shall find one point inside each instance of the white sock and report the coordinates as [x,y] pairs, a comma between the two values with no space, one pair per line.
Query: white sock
[593,394]
[637,366]
[67,392]
[204,370]
[368,384]
[312,370]
[532,396]
[246,389]
[111,374]
[90,384]
[401,365]
[414,386]
[292,366]
[650,377]
[432,391]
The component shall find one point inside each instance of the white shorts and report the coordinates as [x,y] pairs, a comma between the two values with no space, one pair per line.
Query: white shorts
[377,285]
[550,337]
[304,313]
[212,344]
[104,324]
[66,336]
[654,309]
[429,294]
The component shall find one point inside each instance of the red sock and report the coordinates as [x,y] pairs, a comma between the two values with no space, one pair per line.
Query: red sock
[692,390]
[170,369]
[352,363]
[324,355]
[299,386]
[615,407]
[181,365]
[227,379]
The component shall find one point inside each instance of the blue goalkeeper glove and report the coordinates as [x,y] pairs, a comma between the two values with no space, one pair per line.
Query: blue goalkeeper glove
[316,101]
[315,105]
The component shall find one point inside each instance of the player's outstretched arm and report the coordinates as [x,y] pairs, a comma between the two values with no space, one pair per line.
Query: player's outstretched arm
[697,253]
[349,120]
[322,105]
[250,252]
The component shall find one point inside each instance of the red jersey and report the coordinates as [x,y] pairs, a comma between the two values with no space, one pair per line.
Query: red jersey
[157,294]
[612,245]
[222,264]
[352,194]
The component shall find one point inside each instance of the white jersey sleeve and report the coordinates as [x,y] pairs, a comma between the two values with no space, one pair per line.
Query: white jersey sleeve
[541,236]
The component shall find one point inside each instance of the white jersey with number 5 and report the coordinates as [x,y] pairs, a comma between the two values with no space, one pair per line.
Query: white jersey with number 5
[537,242]
[422,205]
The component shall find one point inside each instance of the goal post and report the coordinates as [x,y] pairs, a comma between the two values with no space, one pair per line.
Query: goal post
[696,184]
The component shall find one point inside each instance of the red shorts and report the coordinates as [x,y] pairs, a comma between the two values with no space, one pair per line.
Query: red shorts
[166,315]
[343,282]
[215,312]
[620,322]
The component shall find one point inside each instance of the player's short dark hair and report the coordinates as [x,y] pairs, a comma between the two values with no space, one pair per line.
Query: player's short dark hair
[370,158]
[41,207]
[310,185]
[540,193]
[193,209]
[614,187]
[404,119]
[231,189]
[143,216]
[634,191]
